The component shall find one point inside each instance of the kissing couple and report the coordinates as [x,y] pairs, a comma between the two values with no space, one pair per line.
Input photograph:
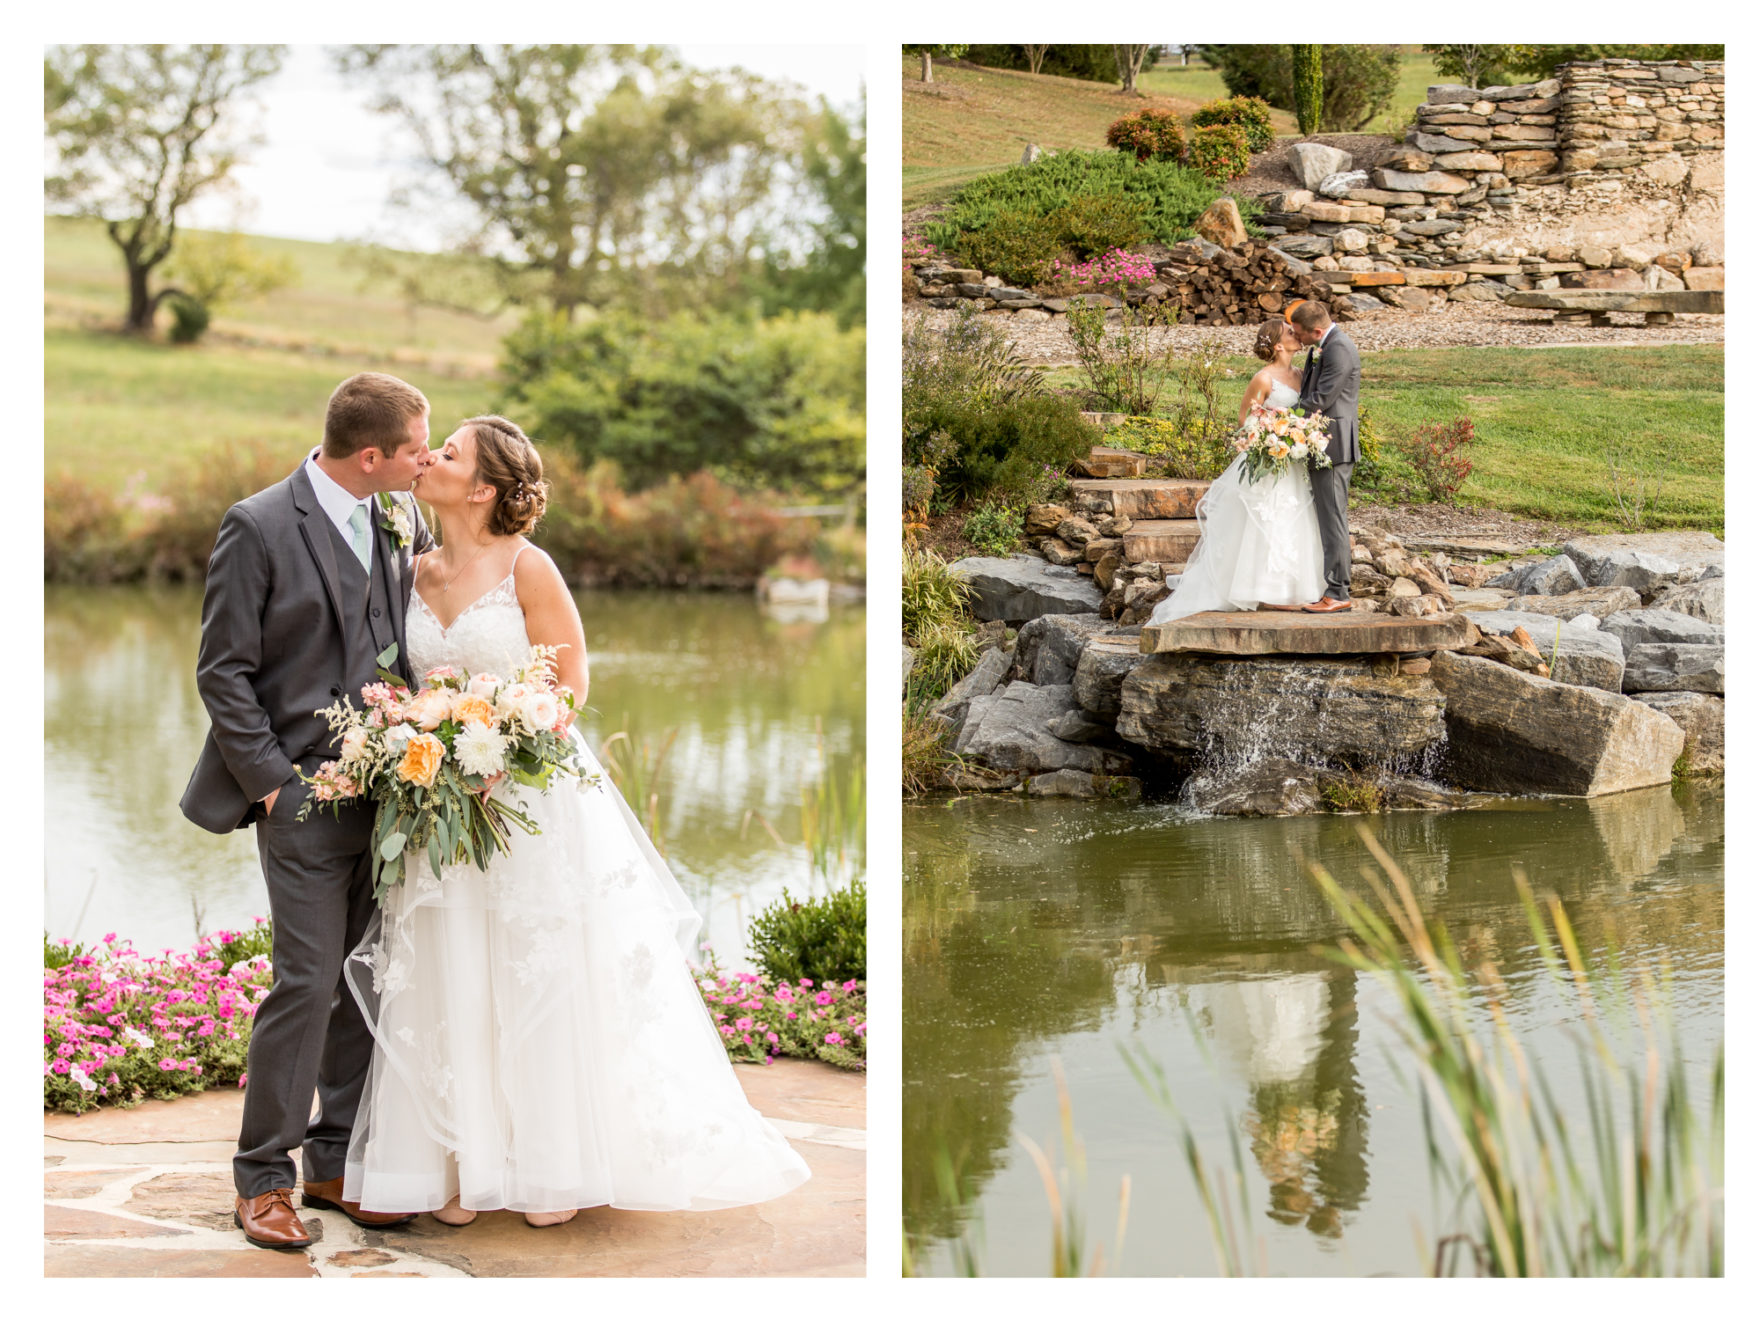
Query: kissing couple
[527,1037]
[1283,542]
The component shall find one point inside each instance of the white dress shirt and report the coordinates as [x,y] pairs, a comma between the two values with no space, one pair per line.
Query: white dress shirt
[338,503]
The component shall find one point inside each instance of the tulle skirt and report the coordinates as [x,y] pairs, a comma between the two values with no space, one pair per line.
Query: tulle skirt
[1258,544]
[541,1044]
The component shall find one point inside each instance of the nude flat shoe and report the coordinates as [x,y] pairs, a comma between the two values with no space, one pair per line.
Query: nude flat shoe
[549,1218]
[454,1214]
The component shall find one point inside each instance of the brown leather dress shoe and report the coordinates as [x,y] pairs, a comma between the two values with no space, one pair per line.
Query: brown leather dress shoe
[269,1220]
[327,1195]
[1327,605]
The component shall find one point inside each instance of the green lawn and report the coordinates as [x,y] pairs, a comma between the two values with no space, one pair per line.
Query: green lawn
[1545,418]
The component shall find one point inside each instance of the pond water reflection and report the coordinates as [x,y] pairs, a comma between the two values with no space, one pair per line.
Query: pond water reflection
[748,696]
[1043,935]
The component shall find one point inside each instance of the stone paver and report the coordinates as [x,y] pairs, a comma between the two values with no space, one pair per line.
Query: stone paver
[1278,632]
[147,1192]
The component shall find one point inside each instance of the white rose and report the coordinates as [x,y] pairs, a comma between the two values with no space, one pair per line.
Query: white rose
[483,685]
[354,744]
[1298,451]
[398,736]
[512,699]
[540,710]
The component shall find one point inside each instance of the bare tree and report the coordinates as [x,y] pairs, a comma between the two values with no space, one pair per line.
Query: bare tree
[1035,57]
[1129,61]
[137,133]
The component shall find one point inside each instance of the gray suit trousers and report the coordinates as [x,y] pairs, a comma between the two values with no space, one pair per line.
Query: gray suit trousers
[309,1032]
[1332,499]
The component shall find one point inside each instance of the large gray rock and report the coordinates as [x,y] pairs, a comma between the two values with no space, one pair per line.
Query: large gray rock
[1079,726]
[1243,709]
[985,678]
[1308,247]
[1700,716]
[1599,601]
[1025,587]
[1693,551]
[1702,599]
[1586,657]
[1011,730]
[1674,667]
[1048,647]
[1345,181]
[1549,577]
[1313,163]
[1510,732]
[1272,786]
[1101,670]
[1641,627]
[1647,574]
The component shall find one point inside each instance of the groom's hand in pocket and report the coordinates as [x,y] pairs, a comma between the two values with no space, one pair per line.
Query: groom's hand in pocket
[269,803]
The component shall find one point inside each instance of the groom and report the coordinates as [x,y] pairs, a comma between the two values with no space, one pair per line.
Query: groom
[1329,387]
[306,589]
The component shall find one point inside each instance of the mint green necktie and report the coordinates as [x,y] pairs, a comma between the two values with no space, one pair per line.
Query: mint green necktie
[363,543]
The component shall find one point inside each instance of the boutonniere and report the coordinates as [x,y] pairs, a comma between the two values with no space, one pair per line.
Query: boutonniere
[396,520]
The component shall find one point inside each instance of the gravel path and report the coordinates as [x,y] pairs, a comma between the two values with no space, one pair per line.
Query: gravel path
[1452,325]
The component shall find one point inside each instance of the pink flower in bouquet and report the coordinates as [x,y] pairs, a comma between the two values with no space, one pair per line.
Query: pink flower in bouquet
[441,674]
[354,744]
[483,685]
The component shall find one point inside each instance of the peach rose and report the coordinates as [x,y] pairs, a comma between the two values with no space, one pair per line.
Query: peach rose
[431,705]
[421,761]
[467,709]
[354,744]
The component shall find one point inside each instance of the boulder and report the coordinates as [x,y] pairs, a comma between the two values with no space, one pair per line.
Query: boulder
[1100,673]
[1585,657]
[1641,627]
[1314,163]
[1702,600]
[1077,531]
[1674,667]
[1693,551]
[1271,786]
[1510,732]
[1081,784]
[1011,730]
[1048,647]
[1647,574]
[1306,709]
[1599,601]
[1482,291]
[1221,223]
[1042,519]
[1343,183]
[1306,247]
[1549,577]
[985,678]
[1024,587]
[1059,553]
[1700,717]
[1078,726]
[1429,181]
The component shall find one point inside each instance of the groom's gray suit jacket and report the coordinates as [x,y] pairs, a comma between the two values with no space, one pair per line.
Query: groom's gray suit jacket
[1329,387]
[290,624]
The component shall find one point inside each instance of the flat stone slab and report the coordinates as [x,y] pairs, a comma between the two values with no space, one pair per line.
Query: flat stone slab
[1464,547]
[1161,541]
[1619,300]
[1140,498]
[1279,632]
[1103,461]
[103,1261]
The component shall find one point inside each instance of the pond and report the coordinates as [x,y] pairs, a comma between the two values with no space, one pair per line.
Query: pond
[753,702]
[1046,937]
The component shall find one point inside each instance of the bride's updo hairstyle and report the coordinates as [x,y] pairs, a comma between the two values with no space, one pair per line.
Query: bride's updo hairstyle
[508,461]
[1270,336]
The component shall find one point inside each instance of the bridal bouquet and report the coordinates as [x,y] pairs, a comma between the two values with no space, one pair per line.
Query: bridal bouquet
[1273,438]
[425,758]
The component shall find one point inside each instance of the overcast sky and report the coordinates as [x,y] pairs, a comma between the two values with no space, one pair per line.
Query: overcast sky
[327,164]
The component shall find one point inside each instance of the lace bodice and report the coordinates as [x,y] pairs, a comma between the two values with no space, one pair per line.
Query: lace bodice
[488,637]
[1281,396]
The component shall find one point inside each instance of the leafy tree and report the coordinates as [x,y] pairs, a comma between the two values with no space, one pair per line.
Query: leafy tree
[1308,86]
[1473,64]
[1540,61]
[1129,62]
[1358,81]
[931,53]
[596,174]
[218,270]
[136,133]
[831,276]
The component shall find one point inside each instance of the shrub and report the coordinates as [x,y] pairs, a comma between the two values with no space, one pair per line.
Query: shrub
[1370,472]
[761,1017]
[1438,453]
[1197,453]
[1309,88]
[994,528]
[823,938]
[930,596]
[968,360]
[946,653]
[1171,196]
[189,319]
[1093,225]
[919,490]
[120,1027]
[1017,245]
[1002,450]
[1221,152]
[1252,113]
[1358,81]
[1150,134]
[1124,370]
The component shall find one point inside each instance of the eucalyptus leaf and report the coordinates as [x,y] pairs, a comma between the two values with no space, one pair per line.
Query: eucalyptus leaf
[393,845]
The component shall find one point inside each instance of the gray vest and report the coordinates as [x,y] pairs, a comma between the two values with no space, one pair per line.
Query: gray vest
[367,618]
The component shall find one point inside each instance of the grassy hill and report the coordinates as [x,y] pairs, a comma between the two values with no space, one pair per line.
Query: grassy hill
[973,121]
[120,411]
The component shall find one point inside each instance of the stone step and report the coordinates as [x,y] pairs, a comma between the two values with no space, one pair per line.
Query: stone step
[1279,632]
[1161,540]
[1620,300]
[1106,462]
[1141,498]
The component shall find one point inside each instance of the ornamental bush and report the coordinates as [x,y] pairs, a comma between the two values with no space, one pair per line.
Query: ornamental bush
[1093,225]
[1220,152]
[761,1017]
[1438,453]
[120,1027]
[994,528]
[1252,113]
[1150,134]
[823,938]
[1002,450]
[1017,245]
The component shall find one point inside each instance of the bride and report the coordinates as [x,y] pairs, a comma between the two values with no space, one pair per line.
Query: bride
[540,1043]
[1259,542]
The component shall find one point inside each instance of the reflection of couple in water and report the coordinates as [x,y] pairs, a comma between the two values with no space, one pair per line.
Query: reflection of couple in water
[1294,1037]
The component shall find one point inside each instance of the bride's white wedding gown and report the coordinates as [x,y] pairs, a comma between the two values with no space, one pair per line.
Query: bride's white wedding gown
[541,1044]
[1258,544]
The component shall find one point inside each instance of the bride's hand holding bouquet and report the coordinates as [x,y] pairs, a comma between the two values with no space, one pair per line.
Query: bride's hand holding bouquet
[1271,439]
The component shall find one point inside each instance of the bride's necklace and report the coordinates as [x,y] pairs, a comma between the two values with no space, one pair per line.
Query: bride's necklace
[447,585]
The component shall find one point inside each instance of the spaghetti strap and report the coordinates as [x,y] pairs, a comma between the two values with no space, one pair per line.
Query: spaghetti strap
[516,554]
